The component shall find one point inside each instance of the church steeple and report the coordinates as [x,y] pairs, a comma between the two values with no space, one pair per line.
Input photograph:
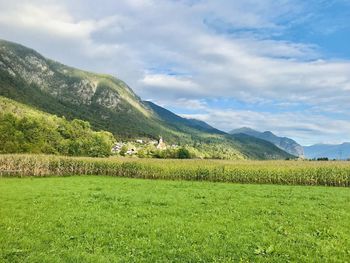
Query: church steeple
[161,145]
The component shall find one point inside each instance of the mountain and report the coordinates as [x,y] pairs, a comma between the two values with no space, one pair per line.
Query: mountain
[247,145]
[107,103]
[283,143]
[179,122]
[247,131]
[330,151]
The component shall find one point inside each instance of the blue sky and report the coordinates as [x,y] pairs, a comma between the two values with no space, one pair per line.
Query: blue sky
[326,25]
[278,65]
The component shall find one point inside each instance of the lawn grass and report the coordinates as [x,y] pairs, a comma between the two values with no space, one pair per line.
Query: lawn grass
[109,219]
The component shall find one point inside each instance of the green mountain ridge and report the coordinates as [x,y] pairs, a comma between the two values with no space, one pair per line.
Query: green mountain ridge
[284,143]
[177,121]
[107,103]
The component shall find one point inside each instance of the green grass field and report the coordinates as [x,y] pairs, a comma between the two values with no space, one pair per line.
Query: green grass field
[109,219]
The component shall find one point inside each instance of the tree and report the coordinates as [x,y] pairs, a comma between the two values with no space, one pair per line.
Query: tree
[35,132]
[183,153]
[100,144]
[123,150]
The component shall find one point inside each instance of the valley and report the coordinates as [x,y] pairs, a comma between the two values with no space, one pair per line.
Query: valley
[108,104]
[91,172]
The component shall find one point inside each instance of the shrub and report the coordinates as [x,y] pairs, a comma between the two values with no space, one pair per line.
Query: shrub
[183,153]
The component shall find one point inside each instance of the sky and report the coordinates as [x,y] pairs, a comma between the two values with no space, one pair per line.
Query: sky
[278,65]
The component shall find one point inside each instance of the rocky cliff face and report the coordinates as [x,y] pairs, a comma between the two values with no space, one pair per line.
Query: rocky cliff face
[284,143]
[103,100]
[63,82]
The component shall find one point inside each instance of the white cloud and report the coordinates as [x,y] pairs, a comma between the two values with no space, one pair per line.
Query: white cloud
[52,19]
[181,52]
[183,103]
[168,82]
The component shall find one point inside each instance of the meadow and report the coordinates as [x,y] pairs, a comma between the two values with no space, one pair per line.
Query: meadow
[103,210]
[292,172]
[106,219]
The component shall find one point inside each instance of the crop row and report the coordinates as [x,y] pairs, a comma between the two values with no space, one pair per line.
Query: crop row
[256,172]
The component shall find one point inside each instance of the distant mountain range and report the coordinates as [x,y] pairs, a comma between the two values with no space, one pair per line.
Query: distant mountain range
[330,151]
[283,143]
[107,103]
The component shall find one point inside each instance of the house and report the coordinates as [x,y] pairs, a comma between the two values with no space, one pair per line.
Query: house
[161,145]
[117,147]
[131,151]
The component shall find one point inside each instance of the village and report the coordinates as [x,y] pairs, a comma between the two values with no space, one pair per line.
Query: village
[141,147]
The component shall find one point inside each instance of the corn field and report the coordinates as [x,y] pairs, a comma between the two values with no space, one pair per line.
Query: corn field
[254,172]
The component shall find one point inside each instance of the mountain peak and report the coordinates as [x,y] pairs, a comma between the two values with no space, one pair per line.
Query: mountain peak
[244,130]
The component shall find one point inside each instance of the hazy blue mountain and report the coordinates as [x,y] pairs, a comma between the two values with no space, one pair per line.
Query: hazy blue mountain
[283,143]
[331,151]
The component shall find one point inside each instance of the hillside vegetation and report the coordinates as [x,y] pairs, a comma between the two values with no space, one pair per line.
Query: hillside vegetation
[107,103]
[25,130]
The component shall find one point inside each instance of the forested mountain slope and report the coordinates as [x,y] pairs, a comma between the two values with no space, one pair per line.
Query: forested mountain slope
[107,103]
